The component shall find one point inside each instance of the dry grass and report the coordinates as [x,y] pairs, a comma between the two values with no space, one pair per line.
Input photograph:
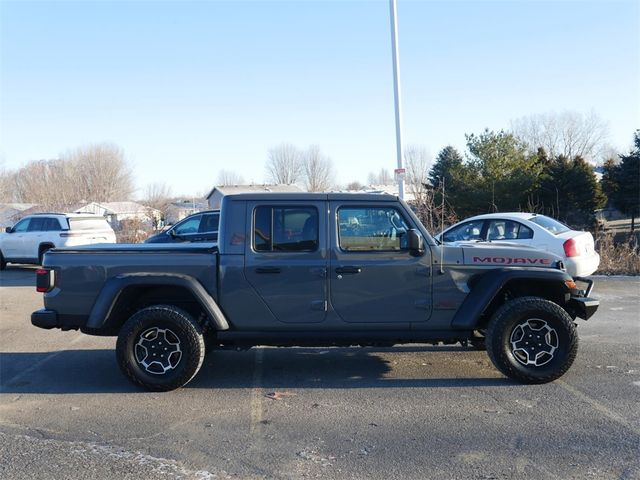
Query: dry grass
[618,258]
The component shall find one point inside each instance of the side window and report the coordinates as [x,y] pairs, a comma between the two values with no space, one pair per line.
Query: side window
[52,225]
[524,233]
[209,223]
[37,224]
[285,229]
[22,225]
[467,231]
[188,226]
[508,230]
[371,228]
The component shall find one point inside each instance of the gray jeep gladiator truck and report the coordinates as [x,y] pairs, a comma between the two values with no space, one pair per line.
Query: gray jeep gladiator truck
[315,270]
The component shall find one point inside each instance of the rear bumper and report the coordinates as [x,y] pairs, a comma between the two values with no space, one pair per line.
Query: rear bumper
[45,319]
[584,307]
[583,265]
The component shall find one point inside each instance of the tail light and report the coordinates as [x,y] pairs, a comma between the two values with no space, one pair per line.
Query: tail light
[44,280]
[571,248]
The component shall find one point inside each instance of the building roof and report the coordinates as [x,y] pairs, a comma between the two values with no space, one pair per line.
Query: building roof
[9,212]
[122,208]
[194,204]
[231,189]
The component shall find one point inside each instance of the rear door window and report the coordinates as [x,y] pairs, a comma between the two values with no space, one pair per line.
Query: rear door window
[37,224]
[52,225]
[285,229]
[209,223]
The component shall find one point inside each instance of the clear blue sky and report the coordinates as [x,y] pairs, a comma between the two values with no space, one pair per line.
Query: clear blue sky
[189,88]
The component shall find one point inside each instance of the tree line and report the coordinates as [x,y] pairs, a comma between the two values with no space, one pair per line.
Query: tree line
[97,172]
[543,164]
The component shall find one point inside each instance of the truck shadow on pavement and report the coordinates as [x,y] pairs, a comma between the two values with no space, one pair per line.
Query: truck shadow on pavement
[18,276]
[96,371]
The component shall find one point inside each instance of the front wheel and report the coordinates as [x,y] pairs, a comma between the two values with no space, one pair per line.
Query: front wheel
[532,340]
[160,348]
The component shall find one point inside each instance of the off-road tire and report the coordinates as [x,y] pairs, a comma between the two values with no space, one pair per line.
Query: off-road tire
[511,320]
[3,262]
[186,335]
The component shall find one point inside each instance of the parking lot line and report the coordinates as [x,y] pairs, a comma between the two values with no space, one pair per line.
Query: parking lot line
[599,407]
[256,401]
[40,363]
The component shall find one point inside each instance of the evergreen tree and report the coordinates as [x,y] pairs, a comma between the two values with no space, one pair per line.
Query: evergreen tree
[459,182]
[507,172]
[609,182]
[627,196]
[569,191]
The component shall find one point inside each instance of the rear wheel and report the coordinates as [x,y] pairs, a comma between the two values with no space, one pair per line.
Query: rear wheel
[532,340]
[160,348]
[41,251]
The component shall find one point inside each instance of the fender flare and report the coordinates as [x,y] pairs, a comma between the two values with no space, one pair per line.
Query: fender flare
[487,285]
[113,288]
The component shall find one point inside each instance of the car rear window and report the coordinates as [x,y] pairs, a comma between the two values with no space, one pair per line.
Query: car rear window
[550,224]
[88,224]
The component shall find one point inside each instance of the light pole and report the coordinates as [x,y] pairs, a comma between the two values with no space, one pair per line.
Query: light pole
[396,90]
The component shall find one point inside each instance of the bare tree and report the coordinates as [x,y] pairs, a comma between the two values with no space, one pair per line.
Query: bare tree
[417,163]
[383,177]
[6,184]
[284,164]
[158,197]
[101,171]
[228,177]
[92,173]
[317,170]
[569,133]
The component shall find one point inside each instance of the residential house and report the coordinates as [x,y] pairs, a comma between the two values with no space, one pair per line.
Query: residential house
[118,212]
[176,211]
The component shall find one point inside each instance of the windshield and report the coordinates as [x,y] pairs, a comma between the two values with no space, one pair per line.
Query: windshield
[550,224]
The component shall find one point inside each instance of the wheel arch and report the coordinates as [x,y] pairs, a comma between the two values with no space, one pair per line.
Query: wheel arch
[123,295]
[43,248]
[490,290]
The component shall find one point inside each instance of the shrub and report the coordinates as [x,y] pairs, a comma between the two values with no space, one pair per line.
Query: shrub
[618,258]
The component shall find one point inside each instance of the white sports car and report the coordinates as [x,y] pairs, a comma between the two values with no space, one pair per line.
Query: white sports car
[537,231]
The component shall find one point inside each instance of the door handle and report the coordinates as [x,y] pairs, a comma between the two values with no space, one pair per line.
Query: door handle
[348,270]
[268,270]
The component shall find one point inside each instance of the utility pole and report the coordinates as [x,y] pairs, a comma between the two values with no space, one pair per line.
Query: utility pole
[400,171]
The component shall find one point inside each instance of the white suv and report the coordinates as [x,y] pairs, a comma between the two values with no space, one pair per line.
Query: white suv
[31,237]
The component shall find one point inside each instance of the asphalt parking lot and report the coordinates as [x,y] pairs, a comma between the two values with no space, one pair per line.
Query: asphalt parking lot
[407,412]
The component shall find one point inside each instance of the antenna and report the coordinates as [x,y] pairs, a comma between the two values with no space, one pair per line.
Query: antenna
[442,226]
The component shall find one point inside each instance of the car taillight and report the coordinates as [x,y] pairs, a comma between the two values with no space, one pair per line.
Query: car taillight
[571,248]
[44,280]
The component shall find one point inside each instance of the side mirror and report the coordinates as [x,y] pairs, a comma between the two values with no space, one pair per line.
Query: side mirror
[9,229]
[416,243]
[172,232]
